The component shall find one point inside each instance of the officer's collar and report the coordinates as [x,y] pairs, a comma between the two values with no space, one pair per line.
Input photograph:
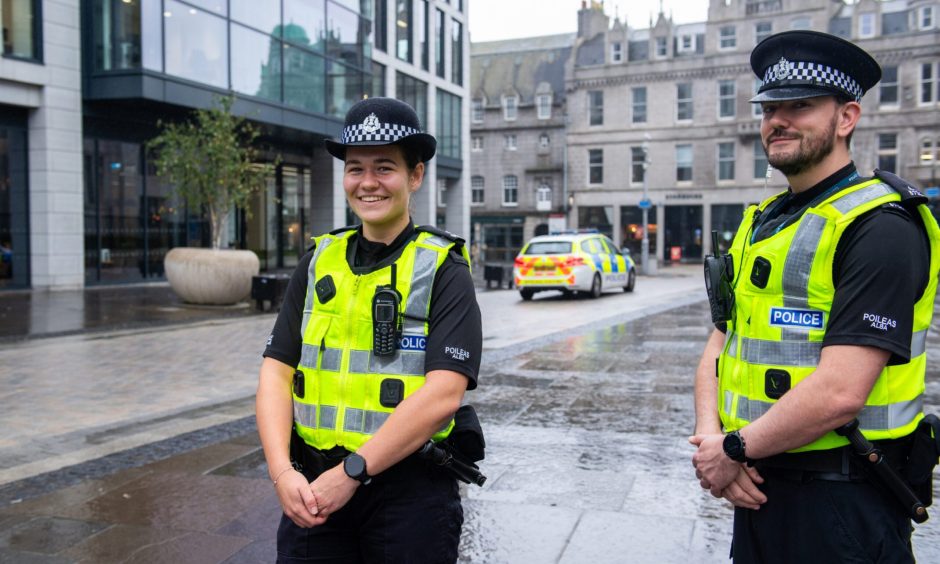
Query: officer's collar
[802,198]
[370,252]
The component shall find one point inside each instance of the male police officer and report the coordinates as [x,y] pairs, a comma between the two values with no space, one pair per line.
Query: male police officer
[834,283]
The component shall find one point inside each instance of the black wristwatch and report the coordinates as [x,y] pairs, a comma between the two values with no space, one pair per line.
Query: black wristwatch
[355,467]
[734,446]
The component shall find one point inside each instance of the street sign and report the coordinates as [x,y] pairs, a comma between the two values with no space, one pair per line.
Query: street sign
[932,192]
[645,204]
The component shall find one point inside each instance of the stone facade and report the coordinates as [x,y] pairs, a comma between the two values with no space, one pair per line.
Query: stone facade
[697,81]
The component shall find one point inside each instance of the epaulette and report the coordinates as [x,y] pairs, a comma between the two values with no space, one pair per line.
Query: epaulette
[344,229]
[441,233]
[910,196]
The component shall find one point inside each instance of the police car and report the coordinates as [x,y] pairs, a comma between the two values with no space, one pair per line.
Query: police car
[573,262]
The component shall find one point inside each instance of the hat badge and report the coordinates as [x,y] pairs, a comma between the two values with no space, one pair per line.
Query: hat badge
[781,71]
[371,123]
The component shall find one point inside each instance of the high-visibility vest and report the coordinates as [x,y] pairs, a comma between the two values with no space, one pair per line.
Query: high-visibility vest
[340,403]
[780,327]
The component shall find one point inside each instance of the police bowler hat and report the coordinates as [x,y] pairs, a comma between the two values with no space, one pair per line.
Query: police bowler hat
[806,64]
[382,121]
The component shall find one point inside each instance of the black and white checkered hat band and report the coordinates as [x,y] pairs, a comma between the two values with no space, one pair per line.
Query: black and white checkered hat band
[804,73]
[385,132]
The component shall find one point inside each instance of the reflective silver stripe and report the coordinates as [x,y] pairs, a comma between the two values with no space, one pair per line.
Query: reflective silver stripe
[331,359]
[918,343]
[797,268]
[305,414]
[733,346]
[327,416]
[871,418]
[438,241]
[781,353]
[308,355]
[729,397]
[406,363]
[847,203]
[311,283]
[419,296]
[362,421]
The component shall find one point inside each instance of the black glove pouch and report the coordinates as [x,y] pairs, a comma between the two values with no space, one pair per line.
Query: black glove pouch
[466,438]
[925,450]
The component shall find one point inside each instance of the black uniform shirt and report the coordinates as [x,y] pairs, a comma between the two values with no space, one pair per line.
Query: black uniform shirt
[880,270]
[455,339]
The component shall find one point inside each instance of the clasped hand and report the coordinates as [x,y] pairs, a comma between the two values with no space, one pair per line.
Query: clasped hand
[310,504]
[724,477]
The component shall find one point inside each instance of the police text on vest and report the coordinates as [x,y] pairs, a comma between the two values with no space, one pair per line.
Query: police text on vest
[789,317]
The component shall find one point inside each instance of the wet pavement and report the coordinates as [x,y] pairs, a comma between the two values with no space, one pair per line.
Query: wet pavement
[586,427]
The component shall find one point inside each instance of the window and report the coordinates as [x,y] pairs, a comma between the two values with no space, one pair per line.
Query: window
[197,47]
[456,52]
[726,161]
[726,99]
[544,141]
[510,142]
[543,197]
[596,107]
[543,106]
[22,30]
[476,143]
[888,89]
[684,101]
[510,108]
[801,22]
[866,25]
[930,151]
[888,151]
[510,190]
[422,32]
[440,41]
[661,47]
[929,82]
[762,30]
[380,9]
[925,17]
[755,108]
[595,166]
[476,191]
[686,43]
[403,30]
[639,104]
[442,192]
[616,52]
[683,163]
[413,92]
[727,37]
[637,165]
[760,160]
[476,114]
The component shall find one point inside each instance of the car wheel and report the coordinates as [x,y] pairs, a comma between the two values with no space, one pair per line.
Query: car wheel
[526,293]
[631,281]
[596,286]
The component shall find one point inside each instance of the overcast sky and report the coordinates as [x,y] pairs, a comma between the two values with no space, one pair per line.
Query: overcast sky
[491,20]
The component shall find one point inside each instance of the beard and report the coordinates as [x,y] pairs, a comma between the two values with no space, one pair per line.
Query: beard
[811,151]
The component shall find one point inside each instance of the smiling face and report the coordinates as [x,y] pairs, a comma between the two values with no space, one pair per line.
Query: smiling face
[801,136]
[378,186]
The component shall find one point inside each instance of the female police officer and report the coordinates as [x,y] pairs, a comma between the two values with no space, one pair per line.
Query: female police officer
[377,340]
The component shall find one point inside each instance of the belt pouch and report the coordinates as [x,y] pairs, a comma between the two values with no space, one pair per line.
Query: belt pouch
[925,449]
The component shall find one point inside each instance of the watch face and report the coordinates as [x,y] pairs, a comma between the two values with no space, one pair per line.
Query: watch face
[733,447]
[355,467]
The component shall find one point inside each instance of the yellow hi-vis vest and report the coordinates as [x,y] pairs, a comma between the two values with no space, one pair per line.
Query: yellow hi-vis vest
[781,326]
[340,404]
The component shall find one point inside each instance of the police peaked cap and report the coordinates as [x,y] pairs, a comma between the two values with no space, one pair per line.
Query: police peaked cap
[382,121]
[806,64]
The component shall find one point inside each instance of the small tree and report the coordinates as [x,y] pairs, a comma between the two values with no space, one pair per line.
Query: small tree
[211,161]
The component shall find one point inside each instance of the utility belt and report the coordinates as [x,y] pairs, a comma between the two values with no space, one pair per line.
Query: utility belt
[312,462]
[834,464]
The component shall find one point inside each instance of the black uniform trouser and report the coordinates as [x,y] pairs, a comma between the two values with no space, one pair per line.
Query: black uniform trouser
[810,520]
[410,513]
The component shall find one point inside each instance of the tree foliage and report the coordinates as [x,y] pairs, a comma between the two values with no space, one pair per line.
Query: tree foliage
[211,161]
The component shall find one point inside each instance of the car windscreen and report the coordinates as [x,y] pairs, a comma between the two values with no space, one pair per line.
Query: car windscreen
[549,248]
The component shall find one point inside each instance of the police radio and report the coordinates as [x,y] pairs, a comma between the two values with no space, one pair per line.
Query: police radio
[719,272]
[386,326]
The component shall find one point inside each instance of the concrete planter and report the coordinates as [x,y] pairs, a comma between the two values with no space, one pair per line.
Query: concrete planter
[211,276]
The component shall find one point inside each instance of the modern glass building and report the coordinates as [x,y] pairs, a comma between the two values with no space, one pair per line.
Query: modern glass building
[84,206]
